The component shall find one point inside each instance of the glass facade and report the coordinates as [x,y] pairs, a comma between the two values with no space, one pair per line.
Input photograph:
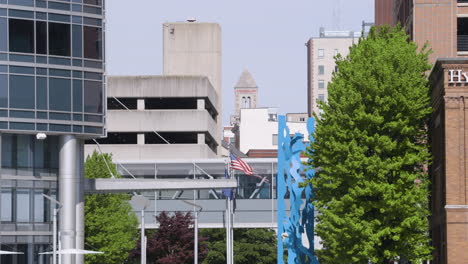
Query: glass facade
[51,66]
[51,81]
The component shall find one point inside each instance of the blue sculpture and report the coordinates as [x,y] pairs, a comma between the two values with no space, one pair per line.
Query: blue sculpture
[301,219]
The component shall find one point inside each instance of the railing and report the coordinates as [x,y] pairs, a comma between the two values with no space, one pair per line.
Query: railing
[462,41]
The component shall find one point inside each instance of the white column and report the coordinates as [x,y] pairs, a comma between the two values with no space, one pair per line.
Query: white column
[68,180]
[141,104]
[141,139]
[200,104]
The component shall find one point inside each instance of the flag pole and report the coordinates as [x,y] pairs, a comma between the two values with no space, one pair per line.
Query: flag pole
[228,233]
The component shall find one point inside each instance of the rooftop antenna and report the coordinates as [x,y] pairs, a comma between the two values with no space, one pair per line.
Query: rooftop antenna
[336,14]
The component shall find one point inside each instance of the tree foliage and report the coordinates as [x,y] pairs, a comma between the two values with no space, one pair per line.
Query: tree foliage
[370,147]
[255,245]
[172,242]
[110,224]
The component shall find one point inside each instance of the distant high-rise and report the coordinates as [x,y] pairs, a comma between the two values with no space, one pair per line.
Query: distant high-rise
[383,11]
[194,48]
[443,24]
[321,54]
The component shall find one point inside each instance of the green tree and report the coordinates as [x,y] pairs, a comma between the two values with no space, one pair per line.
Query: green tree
[253,245]
[371,188]
[110,224]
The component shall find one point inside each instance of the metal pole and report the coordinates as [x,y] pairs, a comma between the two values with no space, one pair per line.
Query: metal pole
[228,233]
[59,248]
[195,250]
[143,238]
[231,228]
[54,261]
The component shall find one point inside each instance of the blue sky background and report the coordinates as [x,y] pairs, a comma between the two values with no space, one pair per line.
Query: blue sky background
[265,36]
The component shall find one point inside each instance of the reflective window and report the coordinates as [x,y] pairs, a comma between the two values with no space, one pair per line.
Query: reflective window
[321,84]
[3,32]
[321,53]
[21,2]
[321,97]
[3,90]
[92,97]
[6,206]
[22,205]
[24,154]
[22,92]
[77,96]
[59,94]
[39,207]
[93,2]
[321,69]
[41,93]
[21,34]
[77,41]
[41,37]
[59,39]
[92,42]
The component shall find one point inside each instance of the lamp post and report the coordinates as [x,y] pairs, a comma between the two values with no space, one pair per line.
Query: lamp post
[57,207]
[195,227]
[141,202]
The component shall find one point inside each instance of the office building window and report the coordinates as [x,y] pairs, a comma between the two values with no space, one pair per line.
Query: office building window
[21,35]
[321,97]
[59,94]
[462,34]
[3,32]
[41,37]
[335,52]
[321,84]
[22,92]
[77,40]
[6,205]
[302,119]
[336,68]
[93,97]
[23,205]
[92,42]
[321,70]
[321,53]
[59,39]
[3,90]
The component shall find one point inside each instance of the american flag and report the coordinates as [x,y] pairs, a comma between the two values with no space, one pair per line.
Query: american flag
[238,164]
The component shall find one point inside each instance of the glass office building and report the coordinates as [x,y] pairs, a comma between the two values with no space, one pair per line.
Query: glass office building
[52,82]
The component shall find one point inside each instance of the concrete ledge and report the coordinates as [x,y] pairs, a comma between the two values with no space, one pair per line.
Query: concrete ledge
[139,185]
[136,152]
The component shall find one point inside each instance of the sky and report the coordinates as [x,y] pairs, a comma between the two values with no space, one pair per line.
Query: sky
[267,37]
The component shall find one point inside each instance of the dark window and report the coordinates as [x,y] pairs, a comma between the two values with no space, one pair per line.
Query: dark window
[41,37]
[117,138]
[462,34]
[77,41]
[92,97]
[59,39]
[170,103]
[59,94]
[3,33]
[92,42]
[77,96]
[41,91]
[3,90]
[21,35]
[171,137]
[93,2]
[113,104]
[21,2]
[22,92]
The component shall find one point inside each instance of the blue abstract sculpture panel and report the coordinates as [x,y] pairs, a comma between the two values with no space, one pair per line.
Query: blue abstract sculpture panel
[301,216]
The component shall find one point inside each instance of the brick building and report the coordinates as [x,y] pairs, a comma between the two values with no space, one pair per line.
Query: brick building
[444,25]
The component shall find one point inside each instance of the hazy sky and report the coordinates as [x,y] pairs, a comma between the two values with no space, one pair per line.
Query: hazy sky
[265,36]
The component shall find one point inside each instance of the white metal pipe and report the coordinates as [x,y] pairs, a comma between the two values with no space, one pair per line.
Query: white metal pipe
[195,250]
[143,238]
[54,261]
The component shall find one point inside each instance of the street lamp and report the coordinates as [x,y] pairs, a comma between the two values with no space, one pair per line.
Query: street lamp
[140,202]
[195,244]
[57,207]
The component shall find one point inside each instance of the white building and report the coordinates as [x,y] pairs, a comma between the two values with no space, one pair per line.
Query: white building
[321,54]
[258,130]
